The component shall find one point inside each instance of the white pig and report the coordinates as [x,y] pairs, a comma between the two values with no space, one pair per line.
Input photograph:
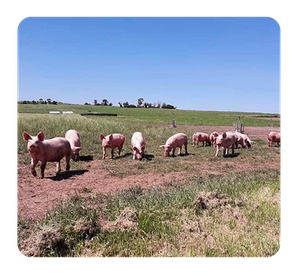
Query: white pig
[138,145]
[243,140]
[74,138]
[226,140]
[52,150]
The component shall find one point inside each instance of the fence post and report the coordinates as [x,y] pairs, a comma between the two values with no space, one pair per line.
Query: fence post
[173,123]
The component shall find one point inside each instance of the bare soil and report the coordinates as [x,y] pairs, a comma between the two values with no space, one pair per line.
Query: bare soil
[36,196]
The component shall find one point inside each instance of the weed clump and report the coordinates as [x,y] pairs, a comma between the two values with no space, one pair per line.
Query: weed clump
[45,241]
[208,200]
[127,220]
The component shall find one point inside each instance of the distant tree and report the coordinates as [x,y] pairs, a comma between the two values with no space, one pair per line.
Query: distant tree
[34,102]
[131,106]
[140,102]
[49,101]
[120,104]
[41,101]
[125,104]
[104,102]
[95,102]
[54,102]
[158,105]
[110,104]
[168,106]
[87,104]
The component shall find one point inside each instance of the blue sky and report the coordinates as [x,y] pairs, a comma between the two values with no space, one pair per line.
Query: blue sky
[193,63]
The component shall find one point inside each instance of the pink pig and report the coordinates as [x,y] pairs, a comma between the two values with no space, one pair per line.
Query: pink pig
[212,137]
[138,145]
[201,137]
[112,141]
[226,140]
[73,137]
[243,140]
[52,150]
[177,140]
[273,137]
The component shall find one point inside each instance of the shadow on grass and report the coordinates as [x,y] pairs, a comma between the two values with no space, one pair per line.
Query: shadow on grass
[148,157]
[184,155]
[86,158]
[232,155]
[123,156]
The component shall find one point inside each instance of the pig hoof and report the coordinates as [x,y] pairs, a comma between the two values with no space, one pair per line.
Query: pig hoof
[33,173]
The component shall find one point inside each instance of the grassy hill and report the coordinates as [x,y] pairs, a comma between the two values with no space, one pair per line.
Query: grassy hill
[182,117]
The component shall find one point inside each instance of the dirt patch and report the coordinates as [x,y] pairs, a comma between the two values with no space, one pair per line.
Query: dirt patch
[126,220]
[207,200]
[40,242]
[36,196]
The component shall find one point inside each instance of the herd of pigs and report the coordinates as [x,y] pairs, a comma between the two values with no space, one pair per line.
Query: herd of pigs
[53,150]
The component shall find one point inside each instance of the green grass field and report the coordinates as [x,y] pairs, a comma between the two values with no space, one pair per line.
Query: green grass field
[182,117]
[165,221]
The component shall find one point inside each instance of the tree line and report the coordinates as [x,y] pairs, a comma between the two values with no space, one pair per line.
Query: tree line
[140,104]
[40,101]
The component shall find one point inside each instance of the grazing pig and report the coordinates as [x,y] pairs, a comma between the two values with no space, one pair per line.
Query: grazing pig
[273,137]
[177,140]
[226,140]
[112,141]
[201,137]
[138,145]
[73,137]
[52,150]
[212,137]
[243,140]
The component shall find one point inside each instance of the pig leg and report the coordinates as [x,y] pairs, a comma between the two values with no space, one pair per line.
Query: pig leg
[217,151]
[232,148]
[103,153]
[179,150]
[33,165]
[185,148]
[120,149]
[43,166]
[225,151]
[112,153]
[68,158]
[173,152]
[58,167]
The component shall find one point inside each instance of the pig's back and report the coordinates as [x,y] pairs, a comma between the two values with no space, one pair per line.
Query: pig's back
[73,137]
[177,140]
[56,149]
[137,139]
[118,138]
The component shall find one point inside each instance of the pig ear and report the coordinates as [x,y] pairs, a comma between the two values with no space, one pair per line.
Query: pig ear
[77,148]
[102,137]
[41,136]
[224,135]
[111,137]
[143,147]
[162,146]
[26,136]
[134,148]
